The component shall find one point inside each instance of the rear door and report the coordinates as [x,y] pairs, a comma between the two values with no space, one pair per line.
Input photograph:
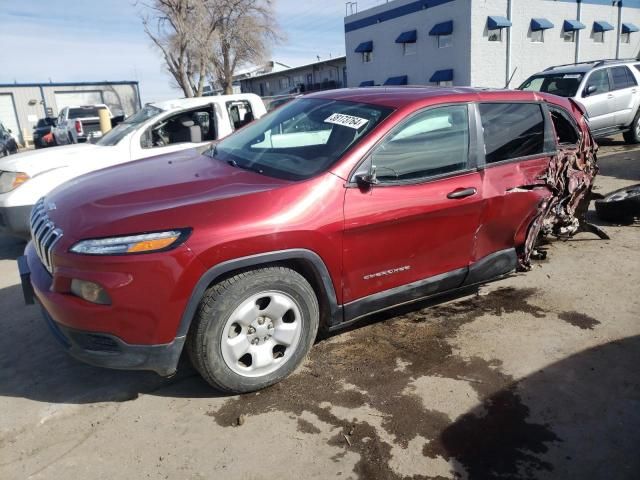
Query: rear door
[624,90]
[419,220]
[599,104]
[518,148]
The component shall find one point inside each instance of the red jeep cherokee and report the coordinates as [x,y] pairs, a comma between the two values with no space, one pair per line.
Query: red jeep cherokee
[334,206]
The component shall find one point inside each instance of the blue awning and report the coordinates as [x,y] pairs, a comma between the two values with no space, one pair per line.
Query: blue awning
[365,47]
[444,28]
[540,24]
[495,22]
[629,28]
[572,25]
[442,76]
[408,37]
[367,83]
[602,26]
[401,80]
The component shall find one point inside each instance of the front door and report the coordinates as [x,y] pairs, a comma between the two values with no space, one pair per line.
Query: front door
[419,220]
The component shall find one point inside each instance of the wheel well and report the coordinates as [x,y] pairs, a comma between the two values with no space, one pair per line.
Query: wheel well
[303,267]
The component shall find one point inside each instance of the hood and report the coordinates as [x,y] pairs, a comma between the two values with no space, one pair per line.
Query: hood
[168,191]
[35,162]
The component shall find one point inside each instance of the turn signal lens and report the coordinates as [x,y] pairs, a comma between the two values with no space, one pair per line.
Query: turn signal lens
[89,291]
[150,245]
[19,179]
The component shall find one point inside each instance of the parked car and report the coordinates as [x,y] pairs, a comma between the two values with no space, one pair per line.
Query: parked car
[608,89]
[8,144]
[78,123]
[42,134]
[157,128]
[334,206]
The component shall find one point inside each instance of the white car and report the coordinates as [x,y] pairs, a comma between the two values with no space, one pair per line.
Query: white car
[156,129]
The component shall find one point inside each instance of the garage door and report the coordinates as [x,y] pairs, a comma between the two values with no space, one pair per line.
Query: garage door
[8,114]
[70,99]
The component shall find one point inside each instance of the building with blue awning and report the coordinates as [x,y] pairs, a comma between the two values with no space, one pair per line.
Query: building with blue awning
[484,43]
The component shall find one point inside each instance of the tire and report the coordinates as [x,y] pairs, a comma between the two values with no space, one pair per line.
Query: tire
[281,308]
[71,142]
[620,206]
[633,134]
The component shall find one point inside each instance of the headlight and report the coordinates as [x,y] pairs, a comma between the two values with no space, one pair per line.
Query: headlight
[143,243]
[11,180]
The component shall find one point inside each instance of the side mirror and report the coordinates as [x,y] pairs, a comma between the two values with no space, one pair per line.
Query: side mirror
[366,180]
[590,90]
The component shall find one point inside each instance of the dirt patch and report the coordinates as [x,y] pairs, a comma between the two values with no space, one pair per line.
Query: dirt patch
[580,320]
[369,359]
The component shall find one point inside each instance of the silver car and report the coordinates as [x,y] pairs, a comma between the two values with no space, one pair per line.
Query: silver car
[608,89]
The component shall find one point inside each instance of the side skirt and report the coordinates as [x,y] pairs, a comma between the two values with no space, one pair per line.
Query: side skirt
[491,267]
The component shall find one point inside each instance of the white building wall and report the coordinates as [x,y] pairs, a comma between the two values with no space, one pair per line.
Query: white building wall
[475,60]
[388,59]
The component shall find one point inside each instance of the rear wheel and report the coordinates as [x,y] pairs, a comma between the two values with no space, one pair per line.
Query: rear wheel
[71,139]
[253,329]
[633,135]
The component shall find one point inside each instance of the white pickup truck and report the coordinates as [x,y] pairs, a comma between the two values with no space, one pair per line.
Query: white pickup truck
[156,129]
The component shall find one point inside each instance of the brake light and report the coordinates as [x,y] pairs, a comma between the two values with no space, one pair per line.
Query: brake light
[78,126]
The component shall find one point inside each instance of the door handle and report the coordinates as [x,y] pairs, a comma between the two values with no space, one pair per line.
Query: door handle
[462,193]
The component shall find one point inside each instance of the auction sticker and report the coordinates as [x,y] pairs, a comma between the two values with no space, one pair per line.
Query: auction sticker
[347,120]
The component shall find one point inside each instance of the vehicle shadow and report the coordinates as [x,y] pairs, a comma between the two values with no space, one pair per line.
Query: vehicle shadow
[34,365]
[11,247]
[577,418]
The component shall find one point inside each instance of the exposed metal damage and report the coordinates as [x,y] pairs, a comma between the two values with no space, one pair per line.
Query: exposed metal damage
[569,178]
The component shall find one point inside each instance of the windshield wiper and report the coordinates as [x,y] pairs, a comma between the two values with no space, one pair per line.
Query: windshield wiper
[233,163]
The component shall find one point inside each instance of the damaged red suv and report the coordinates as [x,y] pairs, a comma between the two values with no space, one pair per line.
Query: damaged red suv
[336,205]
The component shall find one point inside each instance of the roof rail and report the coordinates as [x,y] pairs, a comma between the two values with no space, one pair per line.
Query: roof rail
[595,63]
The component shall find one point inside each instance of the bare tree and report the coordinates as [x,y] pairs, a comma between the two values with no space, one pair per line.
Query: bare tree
[246,30]
[204,39]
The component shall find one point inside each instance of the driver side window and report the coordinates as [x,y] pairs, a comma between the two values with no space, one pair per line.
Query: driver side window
[600,80]
[434,142]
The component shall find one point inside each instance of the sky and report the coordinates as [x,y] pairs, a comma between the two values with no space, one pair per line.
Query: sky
[97,40]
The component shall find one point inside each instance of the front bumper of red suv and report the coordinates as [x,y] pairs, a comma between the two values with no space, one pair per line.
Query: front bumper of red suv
[101,334]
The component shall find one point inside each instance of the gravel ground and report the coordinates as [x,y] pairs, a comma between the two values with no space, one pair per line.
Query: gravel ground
[535,376]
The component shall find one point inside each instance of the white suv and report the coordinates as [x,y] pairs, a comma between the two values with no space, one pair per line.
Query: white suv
[158,128]
[608,90]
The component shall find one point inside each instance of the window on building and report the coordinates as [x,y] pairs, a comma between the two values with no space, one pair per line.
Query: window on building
[625,37]
[512,130]
[409,49]
[495,35]
[434,142]
[367,57]
[445,41]
[569,36]
[598,37]
[537,36]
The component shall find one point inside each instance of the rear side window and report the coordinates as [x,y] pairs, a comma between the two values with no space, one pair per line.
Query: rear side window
[512,130]
[565,127]
[622,78]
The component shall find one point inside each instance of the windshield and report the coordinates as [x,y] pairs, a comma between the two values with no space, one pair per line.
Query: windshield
[300,139]
[562,84]
[116,134]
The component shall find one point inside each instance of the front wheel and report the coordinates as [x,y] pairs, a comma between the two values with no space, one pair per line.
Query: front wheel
[253,329]
[633,134]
